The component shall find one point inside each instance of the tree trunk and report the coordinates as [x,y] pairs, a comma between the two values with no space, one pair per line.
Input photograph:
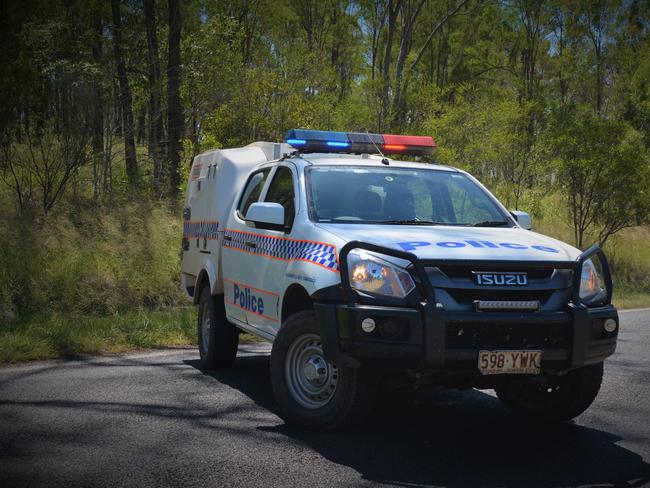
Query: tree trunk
[393,11]
[156,131]
[97,106]
[408,23]
[125,97]
[175,109]
[141,129]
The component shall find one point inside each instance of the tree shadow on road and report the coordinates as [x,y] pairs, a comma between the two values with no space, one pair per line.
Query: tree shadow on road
[455,438]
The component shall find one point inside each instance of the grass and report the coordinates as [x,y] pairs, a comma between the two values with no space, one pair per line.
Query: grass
[630,299]
[60,336]
[628,252]
[68,336]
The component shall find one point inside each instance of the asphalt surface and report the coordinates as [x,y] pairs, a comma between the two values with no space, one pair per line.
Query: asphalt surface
[157,420]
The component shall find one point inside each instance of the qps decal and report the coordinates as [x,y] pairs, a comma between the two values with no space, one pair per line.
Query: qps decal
[200,229]
[473,243]
[283,248]
[253,300]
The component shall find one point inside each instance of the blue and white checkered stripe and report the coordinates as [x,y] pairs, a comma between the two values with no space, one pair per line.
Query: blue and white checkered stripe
[200,228]
[281,248]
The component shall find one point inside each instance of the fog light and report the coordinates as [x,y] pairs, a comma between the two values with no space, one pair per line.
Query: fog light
[610,325]
[389,329]
[368,325]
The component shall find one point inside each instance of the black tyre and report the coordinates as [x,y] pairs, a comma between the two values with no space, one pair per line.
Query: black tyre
[218,338]
[311,392]
[561,398]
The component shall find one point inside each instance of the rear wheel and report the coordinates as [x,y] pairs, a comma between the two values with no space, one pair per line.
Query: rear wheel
[218,338]
[559,398]
[311,391]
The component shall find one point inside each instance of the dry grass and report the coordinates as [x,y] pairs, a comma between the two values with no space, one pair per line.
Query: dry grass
[628,253]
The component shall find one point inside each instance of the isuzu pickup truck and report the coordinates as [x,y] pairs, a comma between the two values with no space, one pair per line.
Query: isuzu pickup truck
[358,266]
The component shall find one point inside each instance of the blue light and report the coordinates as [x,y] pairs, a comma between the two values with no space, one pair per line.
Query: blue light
[338,144]
[296,142]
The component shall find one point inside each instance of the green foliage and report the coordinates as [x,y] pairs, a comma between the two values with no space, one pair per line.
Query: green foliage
[488,137]
[86,261]
[603,170]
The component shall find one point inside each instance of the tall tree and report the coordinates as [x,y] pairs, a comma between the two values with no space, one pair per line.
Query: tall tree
[97,105]
[596,19]
[174,108]
[530,17]
[126,98]
[156,132]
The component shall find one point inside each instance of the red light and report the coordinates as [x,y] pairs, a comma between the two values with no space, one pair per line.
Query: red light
[421,141]
[394,147]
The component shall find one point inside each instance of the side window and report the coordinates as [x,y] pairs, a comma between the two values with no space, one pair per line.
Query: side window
[252,190]
[281,191]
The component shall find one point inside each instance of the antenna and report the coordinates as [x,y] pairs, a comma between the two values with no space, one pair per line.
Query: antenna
[384,159]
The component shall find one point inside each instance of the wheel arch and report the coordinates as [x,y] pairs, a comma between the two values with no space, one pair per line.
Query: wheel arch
[295,299]
[202,280]
[208,274]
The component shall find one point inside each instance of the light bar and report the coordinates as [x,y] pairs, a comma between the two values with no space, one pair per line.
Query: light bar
[522,305]
[358,142]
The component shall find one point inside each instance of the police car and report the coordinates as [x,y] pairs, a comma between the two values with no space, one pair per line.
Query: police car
[357,266]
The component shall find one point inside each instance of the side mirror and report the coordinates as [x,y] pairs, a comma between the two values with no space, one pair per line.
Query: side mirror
[265,215]
[523,219]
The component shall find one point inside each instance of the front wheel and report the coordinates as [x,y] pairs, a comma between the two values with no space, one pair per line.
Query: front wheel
[312,392]
[559,398]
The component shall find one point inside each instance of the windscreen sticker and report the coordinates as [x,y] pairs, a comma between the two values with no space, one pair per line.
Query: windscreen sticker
[200,228]
[283,248]
[256,300]
[412,245]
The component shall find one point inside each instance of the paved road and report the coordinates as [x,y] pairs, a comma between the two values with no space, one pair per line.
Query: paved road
[157,420]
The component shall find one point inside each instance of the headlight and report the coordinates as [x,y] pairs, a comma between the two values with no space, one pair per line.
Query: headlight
[370,272]
[590,289]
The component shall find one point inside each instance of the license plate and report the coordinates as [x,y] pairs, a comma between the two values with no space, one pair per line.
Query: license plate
[509,362]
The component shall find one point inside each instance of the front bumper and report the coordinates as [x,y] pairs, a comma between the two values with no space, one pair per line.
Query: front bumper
[428,337]
[424,335]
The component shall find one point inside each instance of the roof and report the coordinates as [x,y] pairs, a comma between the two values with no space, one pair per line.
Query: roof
[364,160]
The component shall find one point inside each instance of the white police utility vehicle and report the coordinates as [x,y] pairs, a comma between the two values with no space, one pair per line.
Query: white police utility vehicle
[358,268]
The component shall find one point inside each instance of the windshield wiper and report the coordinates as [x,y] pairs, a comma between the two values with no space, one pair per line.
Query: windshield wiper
[490,223]
[409,222]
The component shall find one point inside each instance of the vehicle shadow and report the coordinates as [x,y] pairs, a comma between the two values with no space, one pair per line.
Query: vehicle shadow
[454,438]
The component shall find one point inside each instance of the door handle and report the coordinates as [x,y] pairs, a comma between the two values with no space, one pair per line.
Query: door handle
[250,244]
[227,238]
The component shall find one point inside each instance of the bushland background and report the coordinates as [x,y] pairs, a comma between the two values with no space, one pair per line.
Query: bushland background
[103,104]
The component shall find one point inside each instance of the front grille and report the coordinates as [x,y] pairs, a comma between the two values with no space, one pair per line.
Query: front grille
[468,335]
[464,271]
[457,290]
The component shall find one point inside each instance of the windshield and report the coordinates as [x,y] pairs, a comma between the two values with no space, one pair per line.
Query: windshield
[372,195]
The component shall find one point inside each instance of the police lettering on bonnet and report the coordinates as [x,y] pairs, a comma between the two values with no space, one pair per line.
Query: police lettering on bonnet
[350,262]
